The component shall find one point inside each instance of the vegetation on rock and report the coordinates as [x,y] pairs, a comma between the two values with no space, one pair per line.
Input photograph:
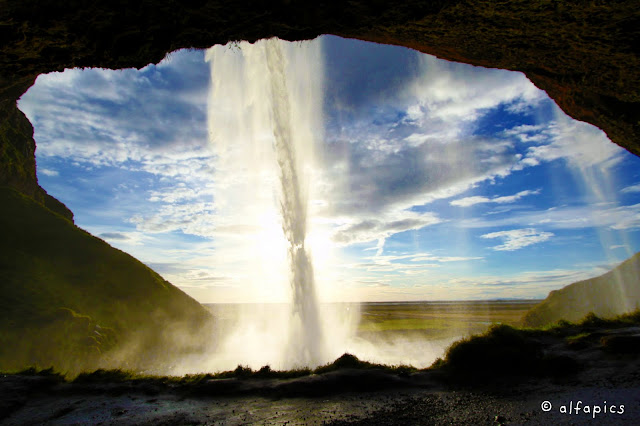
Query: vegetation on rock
[72,301]
[614,293]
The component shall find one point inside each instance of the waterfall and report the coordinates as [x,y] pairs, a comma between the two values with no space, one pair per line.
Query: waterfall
[263,115]
[306,341]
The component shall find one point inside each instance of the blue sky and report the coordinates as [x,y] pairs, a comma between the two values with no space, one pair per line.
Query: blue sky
[431,180]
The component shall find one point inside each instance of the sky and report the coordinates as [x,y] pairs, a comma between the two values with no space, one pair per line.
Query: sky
[428,180]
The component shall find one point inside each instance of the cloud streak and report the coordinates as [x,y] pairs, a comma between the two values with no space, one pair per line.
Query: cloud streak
[631,189]
[470,201]
[418,146]
[516,239]
[567,217]
[374,229]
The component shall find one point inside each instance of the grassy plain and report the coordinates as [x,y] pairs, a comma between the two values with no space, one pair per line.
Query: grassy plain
[440,319]
[429,320]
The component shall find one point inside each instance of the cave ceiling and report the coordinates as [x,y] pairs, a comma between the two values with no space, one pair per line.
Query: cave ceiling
[584,54]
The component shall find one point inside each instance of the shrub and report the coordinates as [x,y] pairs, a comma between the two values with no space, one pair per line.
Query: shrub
[592,320]
[502,350]
[242,371]
[265,371]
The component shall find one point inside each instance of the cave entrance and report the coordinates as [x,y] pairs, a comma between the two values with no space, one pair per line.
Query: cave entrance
[431,180]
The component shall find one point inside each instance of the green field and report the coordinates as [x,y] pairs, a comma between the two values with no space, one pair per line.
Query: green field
[439,319]
[423,319]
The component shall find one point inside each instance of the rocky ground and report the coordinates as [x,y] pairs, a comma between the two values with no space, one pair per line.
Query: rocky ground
[606,388]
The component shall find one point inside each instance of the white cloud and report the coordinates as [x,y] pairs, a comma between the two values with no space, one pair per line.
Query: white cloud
[195,218]
[418,262]
[106,117]
[453,93]
[618,246]
[568,217]
[628,217]
[181,192]
[559,138]
[418,146]
[377,178]
[516,239]
[470,201]
[48,172]
[527,133]
[515,197]
[632,188]
[374,229]
[419,257]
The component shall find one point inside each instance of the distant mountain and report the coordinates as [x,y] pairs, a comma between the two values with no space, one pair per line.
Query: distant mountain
[71,301]
[611,294]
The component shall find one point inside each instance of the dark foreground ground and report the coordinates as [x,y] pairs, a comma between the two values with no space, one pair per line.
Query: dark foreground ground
[595,367]
[521,405]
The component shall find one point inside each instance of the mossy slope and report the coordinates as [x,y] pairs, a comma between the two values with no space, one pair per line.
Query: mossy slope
[71,301]
[611,294]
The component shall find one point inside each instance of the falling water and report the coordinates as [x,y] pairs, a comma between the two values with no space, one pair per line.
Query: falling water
[262,123]
[307,340]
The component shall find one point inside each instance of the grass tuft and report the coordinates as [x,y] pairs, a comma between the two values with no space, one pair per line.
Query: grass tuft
[106,376]
[47,372]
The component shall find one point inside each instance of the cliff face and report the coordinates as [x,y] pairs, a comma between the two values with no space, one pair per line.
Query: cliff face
[18,162]
[69,300]
[614,293]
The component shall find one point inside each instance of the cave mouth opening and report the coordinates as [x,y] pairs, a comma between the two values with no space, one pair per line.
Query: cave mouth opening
[432,181]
